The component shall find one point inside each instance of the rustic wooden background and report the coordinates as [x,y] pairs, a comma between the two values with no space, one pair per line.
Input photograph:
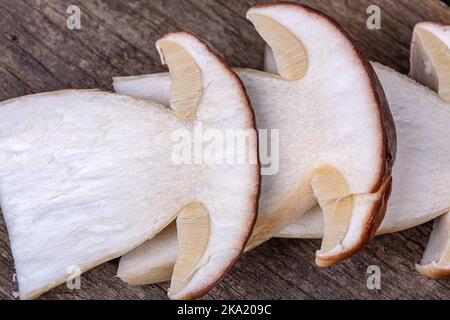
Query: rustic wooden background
[38,53]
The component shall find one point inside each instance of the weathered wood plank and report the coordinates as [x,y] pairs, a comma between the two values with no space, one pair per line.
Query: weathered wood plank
[117,38]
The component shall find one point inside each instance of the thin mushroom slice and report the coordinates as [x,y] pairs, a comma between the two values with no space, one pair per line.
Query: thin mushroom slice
[90,175]
[309,225]
[430,65]
[326,118]
[137,86]
[421,175]
[430,57]
[436,258]
[212,232]
[332,192]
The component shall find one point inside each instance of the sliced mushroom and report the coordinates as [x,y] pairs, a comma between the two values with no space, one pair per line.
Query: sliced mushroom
[86,176]
[430,65]
[330,112]
[436,258]
[421,173]
[430,57]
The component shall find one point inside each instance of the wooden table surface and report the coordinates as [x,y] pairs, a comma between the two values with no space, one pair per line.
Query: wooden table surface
[39,53]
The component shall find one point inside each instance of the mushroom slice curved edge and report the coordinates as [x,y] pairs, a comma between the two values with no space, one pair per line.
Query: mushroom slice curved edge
[429,57]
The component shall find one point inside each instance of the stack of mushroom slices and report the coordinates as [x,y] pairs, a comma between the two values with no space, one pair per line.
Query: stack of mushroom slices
[89,176]
[421,184]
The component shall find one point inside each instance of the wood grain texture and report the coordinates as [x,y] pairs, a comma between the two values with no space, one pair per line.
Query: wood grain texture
[38,53]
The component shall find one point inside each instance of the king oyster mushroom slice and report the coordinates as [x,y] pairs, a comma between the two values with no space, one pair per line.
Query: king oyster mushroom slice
[336,135]
[413,181]
[430,65]
[421,173]
[86,176]
[427,135]
[430,58]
